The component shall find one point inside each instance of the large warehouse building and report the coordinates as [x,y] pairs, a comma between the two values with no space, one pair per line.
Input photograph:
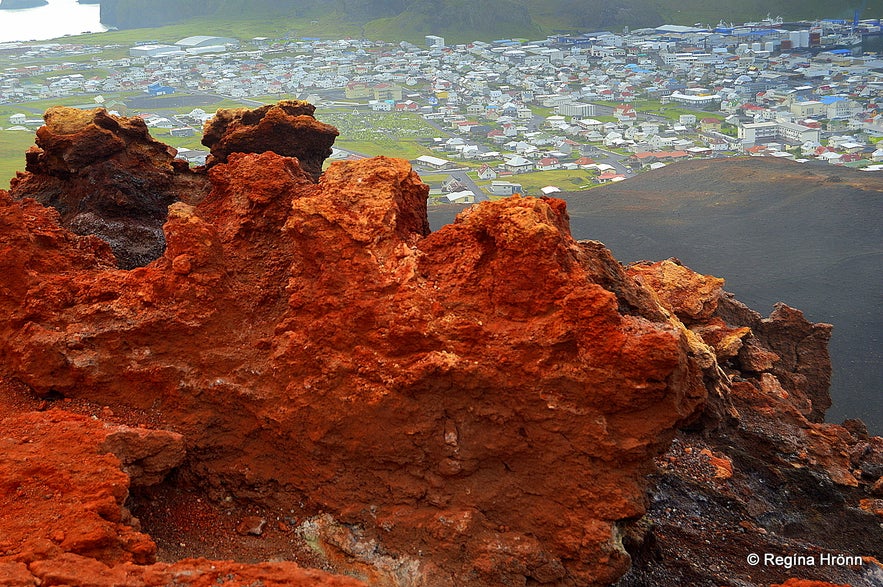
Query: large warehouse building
[200,41]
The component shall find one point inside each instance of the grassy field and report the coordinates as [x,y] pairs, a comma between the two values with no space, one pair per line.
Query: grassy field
[670,111]
[403,149]
[36,108]
[548,16]
[543,111]
[13,145]
[565,180]
[274,28]
[433,178]
[412,26]
[380,133]
[163,135]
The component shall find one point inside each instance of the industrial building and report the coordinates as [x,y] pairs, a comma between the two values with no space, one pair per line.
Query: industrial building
[200,41]
[157,50]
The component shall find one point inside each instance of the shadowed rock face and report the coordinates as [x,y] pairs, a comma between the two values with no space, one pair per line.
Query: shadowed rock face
[107,177]
[759,472]
[478,406]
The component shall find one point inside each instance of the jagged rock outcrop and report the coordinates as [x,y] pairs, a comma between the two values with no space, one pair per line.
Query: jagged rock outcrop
[56,458]
[315,344]
[476,406]
[286,128]
[759,472]
[107,177]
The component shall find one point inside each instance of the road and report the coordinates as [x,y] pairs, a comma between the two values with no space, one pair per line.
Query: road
[611,158]
[460,175]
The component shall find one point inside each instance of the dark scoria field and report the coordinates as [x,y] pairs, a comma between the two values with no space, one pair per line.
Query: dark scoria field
[807,235]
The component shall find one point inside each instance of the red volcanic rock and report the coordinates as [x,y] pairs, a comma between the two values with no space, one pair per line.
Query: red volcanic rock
[106,176]
[76,571]
[146,455]
[64,492]
[33,244]
[64,519]
[478,406]
[314,344]
[690,295]
[286,128]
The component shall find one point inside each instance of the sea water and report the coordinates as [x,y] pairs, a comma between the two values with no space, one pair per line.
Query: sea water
[56,19]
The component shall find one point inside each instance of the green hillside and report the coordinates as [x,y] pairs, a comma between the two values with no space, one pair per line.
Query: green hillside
[463,20]
[692,11]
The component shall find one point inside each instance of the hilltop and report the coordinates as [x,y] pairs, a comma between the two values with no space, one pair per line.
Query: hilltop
[462,21]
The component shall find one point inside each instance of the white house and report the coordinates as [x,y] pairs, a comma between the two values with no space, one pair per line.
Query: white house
[589,124]
[613,139]
[485,172]
[525,113]
[518,164]
[555,121]
[808,148]
[434,162]
[524,148]
[831,157]
[504,188]
[461,197]
[381,105]
[547,164]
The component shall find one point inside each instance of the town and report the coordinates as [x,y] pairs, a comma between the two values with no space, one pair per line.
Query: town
[489,119]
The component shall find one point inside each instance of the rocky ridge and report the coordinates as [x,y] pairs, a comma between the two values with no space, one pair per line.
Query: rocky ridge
[422,407]
[760,472]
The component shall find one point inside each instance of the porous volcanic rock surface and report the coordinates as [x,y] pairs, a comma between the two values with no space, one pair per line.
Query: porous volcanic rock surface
[285,128]
[333,384]
[64,483]
[107,177]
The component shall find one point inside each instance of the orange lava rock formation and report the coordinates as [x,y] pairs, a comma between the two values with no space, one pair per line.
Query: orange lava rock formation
[478,406]
[286,128]
[107,177]
[65,479]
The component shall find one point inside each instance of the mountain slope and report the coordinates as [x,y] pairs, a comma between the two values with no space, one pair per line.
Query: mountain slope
[462,20]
